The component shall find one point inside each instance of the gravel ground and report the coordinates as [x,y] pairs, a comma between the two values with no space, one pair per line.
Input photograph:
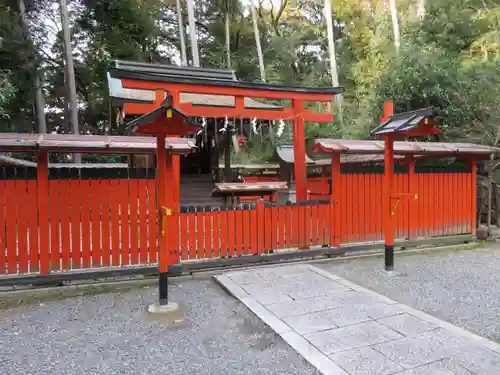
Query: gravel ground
[112,334]
[462,287]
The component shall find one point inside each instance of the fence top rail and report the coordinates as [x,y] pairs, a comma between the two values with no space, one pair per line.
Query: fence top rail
[404,148]
[26,142]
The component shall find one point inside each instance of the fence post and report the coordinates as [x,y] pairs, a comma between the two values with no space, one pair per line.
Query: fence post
[42,165]
[413,197]
[335,224]
[162,168]
[263,230]
[474,195]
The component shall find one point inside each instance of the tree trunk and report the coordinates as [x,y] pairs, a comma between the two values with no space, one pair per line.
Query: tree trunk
[395,24]
[181,33]
[421,9]
[333,58]
[73,108]
[41,123]
[228,41]
[257,42]
[192,33]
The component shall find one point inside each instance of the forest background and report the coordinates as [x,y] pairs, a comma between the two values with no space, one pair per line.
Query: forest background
[446,54]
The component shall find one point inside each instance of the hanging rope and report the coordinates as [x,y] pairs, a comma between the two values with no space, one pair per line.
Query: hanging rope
[281,128]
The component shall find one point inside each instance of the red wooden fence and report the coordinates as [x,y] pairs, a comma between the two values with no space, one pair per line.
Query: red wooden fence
[95,223]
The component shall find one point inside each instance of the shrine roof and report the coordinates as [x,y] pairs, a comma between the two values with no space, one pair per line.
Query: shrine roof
[158,120]
[27,142]
[421,121]
[119,95]
[208,77]
[403,148]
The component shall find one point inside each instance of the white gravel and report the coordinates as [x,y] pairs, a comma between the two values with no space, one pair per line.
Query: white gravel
[112,334]
[462,287]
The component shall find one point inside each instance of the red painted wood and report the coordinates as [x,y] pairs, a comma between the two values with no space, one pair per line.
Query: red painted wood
[85,219]
[221,90]
[231,232]
[95,218]
[22,227]
[209,253]
[134,221]
[11,228]
[143,225]
[192,235]
[75,212]
[184,235]
[246,234]
[3,232]
[115,225]
[43,211]
[153,225]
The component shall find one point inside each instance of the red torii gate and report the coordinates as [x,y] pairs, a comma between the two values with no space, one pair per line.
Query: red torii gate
[175,86]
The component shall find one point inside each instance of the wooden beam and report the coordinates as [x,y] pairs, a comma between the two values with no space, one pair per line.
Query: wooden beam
[219,112]
[228,90]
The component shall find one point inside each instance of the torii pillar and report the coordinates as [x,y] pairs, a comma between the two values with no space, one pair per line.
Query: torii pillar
[162,122]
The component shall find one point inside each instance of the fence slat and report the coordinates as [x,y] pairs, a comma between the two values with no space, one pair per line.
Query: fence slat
[231,232]
[152,232]
[134,221]
[281,228]
[3,231]
[11,224]
[238,222]
[95,217]
[192,235]
[184,236]
[75,225]
[54,217]
[22,227]
[124,221]
[224,234]
[85,217]
[208,234]
[143,232]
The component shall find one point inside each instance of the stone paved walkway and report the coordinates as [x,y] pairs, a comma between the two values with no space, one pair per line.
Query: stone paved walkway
[342,328]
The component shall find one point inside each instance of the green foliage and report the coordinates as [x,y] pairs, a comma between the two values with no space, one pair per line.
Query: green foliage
[6,93]
[17,63]
[439,69]
[450,59]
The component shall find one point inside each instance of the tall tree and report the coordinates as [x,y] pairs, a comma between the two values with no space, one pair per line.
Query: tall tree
[257,42]
[181,32]
[395,25]
[70,74]
[192,32]
[333,58]
[39,99]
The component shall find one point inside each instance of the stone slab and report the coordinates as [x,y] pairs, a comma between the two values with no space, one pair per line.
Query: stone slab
[342,328]
[442,367]
[479,361]
[424,348]
[312,322]
[407,324]
[365,361]
[351,337]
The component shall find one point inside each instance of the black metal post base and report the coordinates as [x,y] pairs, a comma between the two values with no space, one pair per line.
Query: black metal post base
[389,257]
[163,288]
